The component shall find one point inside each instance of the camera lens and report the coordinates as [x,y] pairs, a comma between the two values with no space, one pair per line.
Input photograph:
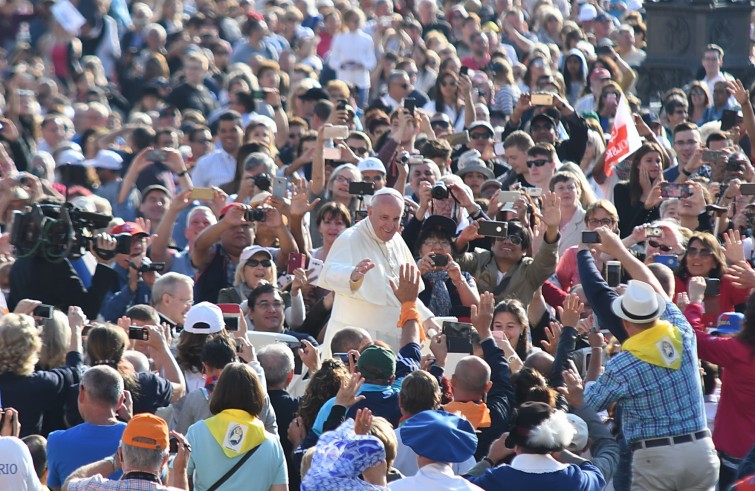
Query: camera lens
[439,190]
[255,215]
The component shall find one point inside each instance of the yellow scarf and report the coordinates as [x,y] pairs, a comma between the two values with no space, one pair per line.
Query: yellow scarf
[236,431]
[477,414]
[659,345]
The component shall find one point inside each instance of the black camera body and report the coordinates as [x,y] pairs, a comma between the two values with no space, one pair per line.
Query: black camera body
[57,232]
[263,182]
[439,190]
[147,265]
[255,215]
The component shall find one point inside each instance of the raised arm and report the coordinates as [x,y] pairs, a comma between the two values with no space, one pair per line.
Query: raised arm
[318,164]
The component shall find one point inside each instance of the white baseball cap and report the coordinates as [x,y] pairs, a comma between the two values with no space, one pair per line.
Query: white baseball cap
[251,251]
[70,156]
[371,163]
[105,159]
[587,12]
[204,318]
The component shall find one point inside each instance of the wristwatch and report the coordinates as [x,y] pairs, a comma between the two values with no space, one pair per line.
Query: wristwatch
[511,359]
[113,461]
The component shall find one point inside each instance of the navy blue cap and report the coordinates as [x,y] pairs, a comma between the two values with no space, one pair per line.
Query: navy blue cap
[439,436]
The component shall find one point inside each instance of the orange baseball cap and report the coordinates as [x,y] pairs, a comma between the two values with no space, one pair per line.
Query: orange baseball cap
[146,431]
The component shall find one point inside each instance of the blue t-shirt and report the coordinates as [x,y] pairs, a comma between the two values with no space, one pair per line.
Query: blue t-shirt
[67,450]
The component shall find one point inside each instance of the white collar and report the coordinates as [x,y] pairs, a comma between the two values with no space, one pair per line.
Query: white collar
[438,468]
[537,463]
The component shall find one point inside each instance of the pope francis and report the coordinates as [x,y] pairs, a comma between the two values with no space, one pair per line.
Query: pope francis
[358,269]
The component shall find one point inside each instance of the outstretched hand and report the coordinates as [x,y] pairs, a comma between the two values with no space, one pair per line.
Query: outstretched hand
[407,289]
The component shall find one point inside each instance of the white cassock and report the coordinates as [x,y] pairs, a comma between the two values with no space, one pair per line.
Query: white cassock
[434,477]
[373,306]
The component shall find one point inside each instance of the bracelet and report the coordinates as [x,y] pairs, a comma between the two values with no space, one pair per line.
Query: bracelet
[489,461]
[183,173]
[684,172]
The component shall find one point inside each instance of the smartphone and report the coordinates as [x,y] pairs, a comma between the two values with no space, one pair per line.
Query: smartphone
[538,99]
[712,287]
[675,190]
[534,192]
[138,333]
[173,444]
[331,153]
[728,119]
[489,228]
[335,132]
[280,184]
[231,313]
[314,268]
[44,311]
[464,70]
[458,138]
[341,105]
[712,156]
[361,188]
[296,260]
[613,273]
[747,189]
[458,337]
[202,193]
[498,148]
[508,196]
[439,260]
[409,104]
[590,237]
[670,260]
[157,155]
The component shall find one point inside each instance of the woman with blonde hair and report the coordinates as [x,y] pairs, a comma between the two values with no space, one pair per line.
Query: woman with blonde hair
[30,392]
[56,339]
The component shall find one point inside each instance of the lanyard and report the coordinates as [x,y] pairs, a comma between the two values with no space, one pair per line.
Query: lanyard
[143,476]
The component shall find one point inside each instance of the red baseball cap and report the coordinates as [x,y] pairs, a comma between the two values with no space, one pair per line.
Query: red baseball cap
[228,207]
[128,228]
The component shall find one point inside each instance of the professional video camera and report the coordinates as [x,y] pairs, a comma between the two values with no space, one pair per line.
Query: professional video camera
[57,232]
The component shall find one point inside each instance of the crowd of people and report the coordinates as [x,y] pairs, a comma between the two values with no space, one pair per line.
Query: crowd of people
[330,245]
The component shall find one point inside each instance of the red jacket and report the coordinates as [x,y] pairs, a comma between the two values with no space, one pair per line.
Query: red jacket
[734,430]
[729,297]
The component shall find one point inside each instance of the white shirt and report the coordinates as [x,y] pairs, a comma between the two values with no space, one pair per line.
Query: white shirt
[432,477]
[571,234]
[15,459]
[353,47]
[214,169]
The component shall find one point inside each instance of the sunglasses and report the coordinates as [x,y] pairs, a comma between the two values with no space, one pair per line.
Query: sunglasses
[266,263]
[358,150]
[657,245]
[537,163]
[479,136]
[443,124]
[511,239]
[695,252]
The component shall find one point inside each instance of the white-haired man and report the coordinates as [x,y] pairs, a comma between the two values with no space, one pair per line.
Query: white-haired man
[362,263]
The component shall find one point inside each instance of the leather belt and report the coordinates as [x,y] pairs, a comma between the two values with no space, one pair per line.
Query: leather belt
[667,441]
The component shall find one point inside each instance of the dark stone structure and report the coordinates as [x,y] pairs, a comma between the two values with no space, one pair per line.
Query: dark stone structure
[677,34]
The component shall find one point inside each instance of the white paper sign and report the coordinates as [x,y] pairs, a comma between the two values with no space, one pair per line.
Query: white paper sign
[68,16]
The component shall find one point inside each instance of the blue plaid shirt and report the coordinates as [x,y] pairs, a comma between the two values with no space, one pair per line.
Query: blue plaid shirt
[656,402]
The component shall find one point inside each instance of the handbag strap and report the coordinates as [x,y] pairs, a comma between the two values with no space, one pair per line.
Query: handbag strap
[233,469]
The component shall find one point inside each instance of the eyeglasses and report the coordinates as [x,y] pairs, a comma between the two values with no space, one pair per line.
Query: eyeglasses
[185,301]
[268,305]
[537,163]
[358,150]
[265,263]
[479,136]
[437,243]
[657,245]
[605,222]
[343,180]
[695,252]
[511,239]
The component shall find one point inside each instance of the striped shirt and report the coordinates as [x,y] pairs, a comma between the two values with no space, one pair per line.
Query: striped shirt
[656,402]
